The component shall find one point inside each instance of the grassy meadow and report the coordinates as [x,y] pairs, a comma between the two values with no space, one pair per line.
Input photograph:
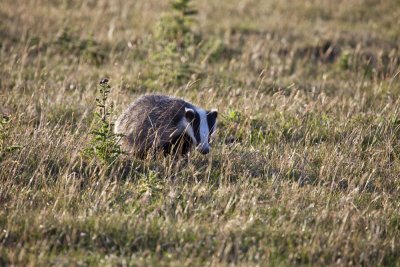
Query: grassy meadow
[305,166]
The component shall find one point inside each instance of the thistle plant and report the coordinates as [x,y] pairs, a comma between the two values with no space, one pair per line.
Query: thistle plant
[104,144]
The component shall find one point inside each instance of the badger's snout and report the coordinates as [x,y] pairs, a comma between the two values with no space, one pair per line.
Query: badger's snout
[203,149]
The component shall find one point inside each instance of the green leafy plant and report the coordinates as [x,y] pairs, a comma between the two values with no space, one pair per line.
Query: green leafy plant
[5,127]
[176,26]
[105,143]
[174,44]
[344,61]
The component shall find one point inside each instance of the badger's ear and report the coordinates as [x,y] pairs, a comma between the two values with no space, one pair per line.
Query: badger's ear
[213,113]
[189,114]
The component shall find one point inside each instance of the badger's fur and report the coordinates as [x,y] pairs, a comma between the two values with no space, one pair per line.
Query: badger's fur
[155,123]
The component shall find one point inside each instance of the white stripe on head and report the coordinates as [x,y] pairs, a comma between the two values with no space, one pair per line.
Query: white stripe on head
[204,131]
[187,128]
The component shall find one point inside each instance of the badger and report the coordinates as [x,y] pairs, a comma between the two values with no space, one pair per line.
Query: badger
[160,123]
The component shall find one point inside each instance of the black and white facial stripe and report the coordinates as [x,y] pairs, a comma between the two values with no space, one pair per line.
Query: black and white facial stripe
[201,124]
[212,122]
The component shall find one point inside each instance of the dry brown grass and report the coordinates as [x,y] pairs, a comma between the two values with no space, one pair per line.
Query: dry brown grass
[305,168]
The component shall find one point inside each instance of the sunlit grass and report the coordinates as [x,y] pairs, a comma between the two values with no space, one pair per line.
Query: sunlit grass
[304,168]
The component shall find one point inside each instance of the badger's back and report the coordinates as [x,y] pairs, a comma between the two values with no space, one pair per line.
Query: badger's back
[149,122]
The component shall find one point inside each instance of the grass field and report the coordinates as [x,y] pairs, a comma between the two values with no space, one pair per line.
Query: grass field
[304,169]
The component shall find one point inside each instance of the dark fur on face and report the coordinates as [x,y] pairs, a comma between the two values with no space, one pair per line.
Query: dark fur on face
[212,122]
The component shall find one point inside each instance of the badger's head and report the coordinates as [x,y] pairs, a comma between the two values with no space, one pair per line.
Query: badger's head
[201,125]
